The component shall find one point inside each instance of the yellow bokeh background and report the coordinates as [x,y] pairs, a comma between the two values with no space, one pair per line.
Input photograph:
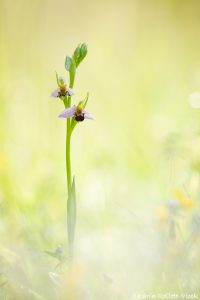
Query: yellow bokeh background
[143,63]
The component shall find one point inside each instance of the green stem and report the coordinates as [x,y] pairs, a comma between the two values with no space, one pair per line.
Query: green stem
[69,182]
[68,156]
[69,185]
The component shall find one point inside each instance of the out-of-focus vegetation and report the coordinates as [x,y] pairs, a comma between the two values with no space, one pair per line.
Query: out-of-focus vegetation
[137,164]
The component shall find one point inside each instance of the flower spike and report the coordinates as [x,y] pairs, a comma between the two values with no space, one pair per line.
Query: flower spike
[74,114]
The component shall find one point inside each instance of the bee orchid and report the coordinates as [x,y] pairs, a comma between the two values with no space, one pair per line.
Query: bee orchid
[74,114]
[78,112]
[62,89]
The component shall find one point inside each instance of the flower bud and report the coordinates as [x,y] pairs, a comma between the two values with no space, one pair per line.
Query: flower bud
[80,53]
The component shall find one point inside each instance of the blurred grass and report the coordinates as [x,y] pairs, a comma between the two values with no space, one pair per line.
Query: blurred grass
[142,65]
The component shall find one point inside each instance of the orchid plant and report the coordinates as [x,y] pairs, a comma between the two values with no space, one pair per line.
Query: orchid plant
[74,114]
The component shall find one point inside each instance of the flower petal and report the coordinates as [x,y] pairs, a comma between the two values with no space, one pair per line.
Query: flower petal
[55,93]
[68,112]
[87,115]
[70,91]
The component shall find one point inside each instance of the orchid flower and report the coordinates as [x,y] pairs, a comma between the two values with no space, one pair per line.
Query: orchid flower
[62,90]
[78,112]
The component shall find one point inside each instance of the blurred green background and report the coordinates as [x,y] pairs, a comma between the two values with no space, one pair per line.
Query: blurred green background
[143,63]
